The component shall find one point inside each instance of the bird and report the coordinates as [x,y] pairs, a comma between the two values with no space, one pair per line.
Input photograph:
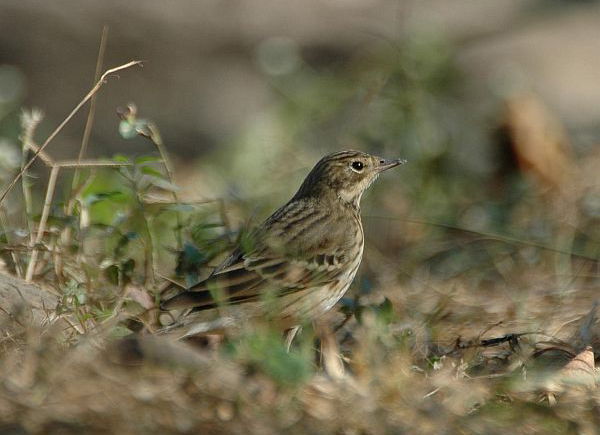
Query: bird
[297,264]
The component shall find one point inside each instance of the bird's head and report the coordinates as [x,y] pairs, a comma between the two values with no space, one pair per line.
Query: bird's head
[345,175]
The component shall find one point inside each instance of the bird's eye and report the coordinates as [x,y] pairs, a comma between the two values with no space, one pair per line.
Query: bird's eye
[357,166]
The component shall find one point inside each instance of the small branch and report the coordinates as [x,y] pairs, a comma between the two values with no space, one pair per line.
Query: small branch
[90,94]
[43,220]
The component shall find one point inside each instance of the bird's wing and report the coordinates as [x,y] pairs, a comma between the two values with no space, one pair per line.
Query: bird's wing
[256,277]
[283,261]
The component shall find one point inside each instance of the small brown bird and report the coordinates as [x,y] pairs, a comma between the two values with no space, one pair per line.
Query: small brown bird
[298,263]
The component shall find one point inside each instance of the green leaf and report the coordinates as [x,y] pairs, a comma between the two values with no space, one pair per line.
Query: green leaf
[146,159]
[385,311]
[148,170]
[209,225]
[121,158]
[116,196]
[266,351]
[112,274]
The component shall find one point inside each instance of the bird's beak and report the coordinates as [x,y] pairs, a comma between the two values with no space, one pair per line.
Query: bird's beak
[388,164]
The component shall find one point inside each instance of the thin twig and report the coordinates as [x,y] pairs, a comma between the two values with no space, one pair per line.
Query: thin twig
[90,94]
[43,220]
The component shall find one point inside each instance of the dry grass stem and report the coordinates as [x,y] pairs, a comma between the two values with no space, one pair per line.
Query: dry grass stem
[91,164]
[43,220]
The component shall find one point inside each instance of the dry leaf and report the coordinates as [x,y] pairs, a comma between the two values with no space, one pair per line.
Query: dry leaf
[538,140]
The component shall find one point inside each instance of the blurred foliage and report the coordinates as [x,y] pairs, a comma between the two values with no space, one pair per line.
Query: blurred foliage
[262,349]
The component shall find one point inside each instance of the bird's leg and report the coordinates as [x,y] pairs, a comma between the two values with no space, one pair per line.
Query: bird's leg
[331,359]
[290,334]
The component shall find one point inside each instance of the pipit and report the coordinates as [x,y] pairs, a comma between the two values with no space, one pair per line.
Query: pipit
[298,263]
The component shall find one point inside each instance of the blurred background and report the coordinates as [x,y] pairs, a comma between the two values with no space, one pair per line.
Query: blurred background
[233,79]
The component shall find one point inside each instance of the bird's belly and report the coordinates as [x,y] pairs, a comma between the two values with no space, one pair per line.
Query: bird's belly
[311,303]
